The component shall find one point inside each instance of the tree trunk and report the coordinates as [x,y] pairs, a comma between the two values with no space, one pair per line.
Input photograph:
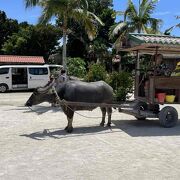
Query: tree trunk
[64,43]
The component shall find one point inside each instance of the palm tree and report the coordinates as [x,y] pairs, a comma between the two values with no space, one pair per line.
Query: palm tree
[136,20]
[65,10]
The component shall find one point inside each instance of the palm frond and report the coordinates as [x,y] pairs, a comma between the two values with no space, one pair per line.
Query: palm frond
[118,42]
[168,31]
[96,18]
[148,6]
[31,3]
[131,11]
[117,28]
[89,19]
[155,24]
[46,16]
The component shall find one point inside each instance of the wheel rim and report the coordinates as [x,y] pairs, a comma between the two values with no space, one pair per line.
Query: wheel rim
[2,88]
[169,117]
[142,108]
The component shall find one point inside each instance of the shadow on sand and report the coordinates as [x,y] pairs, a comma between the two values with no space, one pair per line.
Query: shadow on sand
[37,109]
[133,128]
[137,128]
[43,109]
[78,131]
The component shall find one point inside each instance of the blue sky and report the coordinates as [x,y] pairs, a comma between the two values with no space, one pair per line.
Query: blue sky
[165,10]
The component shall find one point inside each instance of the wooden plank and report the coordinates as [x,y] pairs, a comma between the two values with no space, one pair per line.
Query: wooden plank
[85,104]
[151,90]
[148,114]
[167,82]
[130,112]
[136,93]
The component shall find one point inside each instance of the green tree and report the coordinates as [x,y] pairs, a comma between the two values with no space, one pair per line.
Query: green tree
[101,44]
[122,84]
[96,72]
[32,40]
[65,10]
[137,19]
[7,27]
[76,67]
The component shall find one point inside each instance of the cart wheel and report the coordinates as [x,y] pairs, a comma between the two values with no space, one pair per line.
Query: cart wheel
[140,106]
[168,117]
[3,88]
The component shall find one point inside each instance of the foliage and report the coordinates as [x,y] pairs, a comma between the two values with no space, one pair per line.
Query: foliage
[66,10]
[145,63]
[101,44]
[7,28]
[128,61]
[32,40]
[137,20]
[121,83]
[96,72]
[76,67]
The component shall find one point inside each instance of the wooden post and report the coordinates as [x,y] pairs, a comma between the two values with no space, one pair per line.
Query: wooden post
[152,89]
[137,73]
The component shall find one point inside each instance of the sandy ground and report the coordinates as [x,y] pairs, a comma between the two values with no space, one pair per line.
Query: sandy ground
[131,149]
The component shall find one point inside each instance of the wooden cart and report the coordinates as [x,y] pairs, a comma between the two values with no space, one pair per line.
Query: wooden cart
[147,103]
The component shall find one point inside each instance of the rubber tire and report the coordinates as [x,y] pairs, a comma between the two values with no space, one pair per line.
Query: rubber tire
[3,88]
[173,118]
[140,106]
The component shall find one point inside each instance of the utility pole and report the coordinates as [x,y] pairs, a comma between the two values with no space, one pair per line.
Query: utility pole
[139,30]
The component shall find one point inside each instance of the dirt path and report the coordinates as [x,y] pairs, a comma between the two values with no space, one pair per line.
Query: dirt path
[131,149]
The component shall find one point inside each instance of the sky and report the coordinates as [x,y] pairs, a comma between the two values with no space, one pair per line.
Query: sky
[165,10]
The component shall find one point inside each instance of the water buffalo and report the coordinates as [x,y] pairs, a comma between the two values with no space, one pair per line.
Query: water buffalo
[76,91]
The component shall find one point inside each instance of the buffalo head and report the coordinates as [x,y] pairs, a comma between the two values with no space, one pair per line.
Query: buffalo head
[41,94]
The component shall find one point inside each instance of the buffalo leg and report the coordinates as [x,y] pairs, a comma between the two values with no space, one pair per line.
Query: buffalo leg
[69,127]
[103,116]
[69,114]
[109,111]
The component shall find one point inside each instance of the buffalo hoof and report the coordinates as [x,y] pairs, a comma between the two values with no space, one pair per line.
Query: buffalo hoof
[108,124]
[102,124]
[69,129]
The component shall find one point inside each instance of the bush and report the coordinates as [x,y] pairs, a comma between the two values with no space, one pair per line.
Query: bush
[76,67]
[96,72]
[122,84]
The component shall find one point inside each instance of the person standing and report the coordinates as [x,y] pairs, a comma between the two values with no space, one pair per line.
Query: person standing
[62,77]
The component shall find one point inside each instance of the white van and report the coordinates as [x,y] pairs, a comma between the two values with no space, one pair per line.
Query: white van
[22,77]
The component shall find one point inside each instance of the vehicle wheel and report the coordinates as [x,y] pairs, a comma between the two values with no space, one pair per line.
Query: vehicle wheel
[168,117]
[140,106]
[3,88]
